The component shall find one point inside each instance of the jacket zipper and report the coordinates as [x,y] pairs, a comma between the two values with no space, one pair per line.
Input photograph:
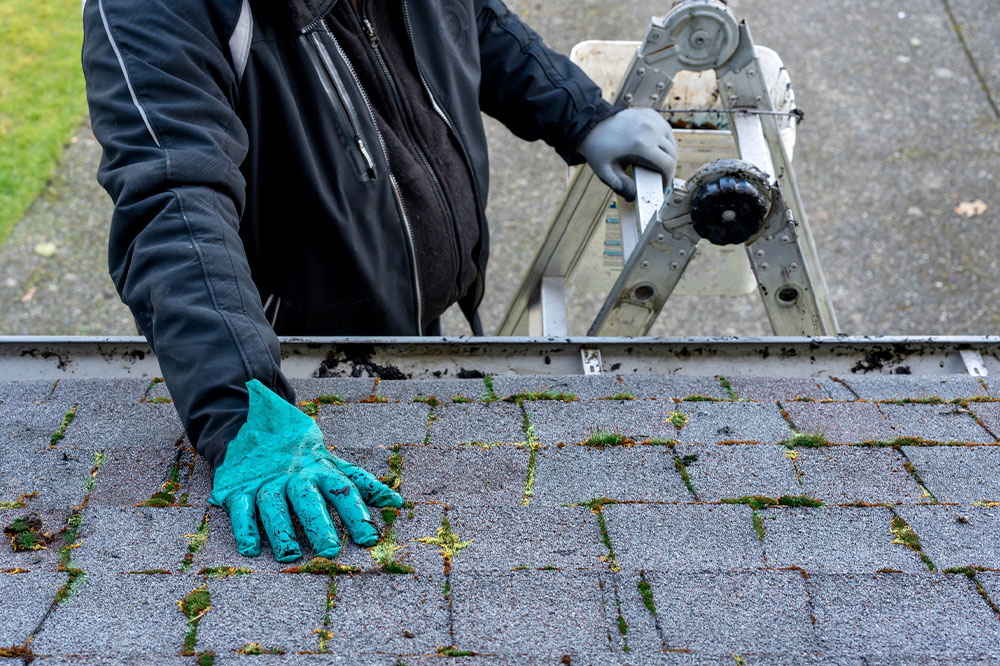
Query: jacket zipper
[339,94]
[373,41]
[385,155]
[480,278]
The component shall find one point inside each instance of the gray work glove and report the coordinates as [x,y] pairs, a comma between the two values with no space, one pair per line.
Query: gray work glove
[639,137]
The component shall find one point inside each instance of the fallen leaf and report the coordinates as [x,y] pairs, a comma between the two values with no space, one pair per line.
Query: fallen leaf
[971,208]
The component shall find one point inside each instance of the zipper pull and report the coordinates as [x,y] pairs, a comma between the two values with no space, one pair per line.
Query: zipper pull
[369,162]
[370,33]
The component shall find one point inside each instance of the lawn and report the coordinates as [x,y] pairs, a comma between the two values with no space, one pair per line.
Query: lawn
[42,99]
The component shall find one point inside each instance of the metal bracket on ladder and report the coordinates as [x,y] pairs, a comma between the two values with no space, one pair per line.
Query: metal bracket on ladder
[696,35]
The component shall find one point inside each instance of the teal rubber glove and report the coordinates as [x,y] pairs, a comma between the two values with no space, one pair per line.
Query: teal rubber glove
[278,457]
[639,137]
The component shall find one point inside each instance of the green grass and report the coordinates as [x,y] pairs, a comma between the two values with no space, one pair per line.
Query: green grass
[42,99]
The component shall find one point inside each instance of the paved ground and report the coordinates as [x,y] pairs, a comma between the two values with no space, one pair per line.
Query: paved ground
[705,532]
[900,129]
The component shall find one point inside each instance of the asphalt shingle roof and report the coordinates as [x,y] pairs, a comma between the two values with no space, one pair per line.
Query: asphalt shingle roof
[708,531]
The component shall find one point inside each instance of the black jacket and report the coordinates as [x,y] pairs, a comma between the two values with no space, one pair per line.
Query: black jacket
[246,169]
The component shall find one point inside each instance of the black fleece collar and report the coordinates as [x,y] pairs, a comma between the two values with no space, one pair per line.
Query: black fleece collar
[305,12]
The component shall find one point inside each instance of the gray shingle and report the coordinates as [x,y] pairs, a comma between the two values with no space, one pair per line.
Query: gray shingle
[951,543]
[883,615]
[573,422]
[56,475]
[710,422]
[465,474]
[120,390]
[350,388]
[843,474]
[842,423]
[733,612]
[585,387]
[530,612]
[122,539]
[767,389]
[487,423]
[507,537]
[444,390]
[935,422]
[120,615]
[958,473]
[901,387]
[835,540]
[24,599]
[373,425]
[372,612]
[295,607]
[131,475]
[728,471]
[25,391]
[101,425]
[26,425]
[571,474]
[989,416]
[675,387]
[686,537]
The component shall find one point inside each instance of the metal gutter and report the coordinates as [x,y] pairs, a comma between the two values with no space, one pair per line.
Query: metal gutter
[32,357]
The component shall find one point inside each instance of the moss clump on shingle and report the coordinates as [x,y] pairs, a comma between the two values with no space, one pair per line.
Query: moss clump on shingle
[329,399]
[28,533]
[806,441]
[452,651]
[395,475]
[225,572]
[491,394]
[601,438]
[168,491]
[905,536]
[431,400]
[621,395]
[728,387]
[680,464]
[60,433]
[756,502]
[646,592]
[310,408]
[384,553]
[257,648]
[537,396]
[700,398]
[758,525]
[321,566]
[677,419]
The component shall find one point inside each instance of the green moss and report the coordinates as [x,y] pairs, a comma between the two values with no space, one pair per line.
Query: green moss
[321,566]
[461,399]
[678,419]
[804,441]
[77,577]
[168,491]
[161,400]
[310,408]
[446,540]
[154,382]
[800,501]
[753,501]
[727,385]
[207,658]
[384,553]
[60,433]
[428,400]
[758,525]
[395,475]
[622,395]
[646,592]
[329,399]
[194,606]
[257,648]
[912,471]
[152,572]
[520,567]
[622,625]
[681,465]
[491,395]
[196,542]
[535,396]
[452,651]
[602,526]
[596,503]
[931,400]
[604,438]
[905,536]
[225,572]
[699,398]
[389,516]
[966,571]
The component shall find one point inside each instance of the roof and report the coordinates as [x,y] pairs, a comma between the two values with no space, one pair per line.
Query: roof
[710,522]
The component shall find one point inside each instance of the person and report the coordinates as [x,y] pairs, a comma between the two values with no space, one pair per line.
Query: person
[314,167]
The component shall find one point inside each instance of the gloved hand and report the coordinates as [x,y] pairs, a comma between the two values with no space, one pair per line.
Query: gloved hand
[638,137]
[279,456]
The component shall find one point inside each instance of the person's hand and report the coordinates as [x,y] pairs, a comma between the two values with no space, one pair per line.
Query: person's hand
[639,137]
[278,457]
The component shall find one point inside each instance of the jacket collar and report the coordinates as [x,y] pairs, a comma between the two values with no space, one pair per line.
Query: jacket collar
[306,12]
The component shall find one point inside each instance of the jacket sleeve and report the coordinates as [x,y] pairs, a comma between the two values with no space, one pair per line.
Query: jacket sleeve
[536,92]
[162,86]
